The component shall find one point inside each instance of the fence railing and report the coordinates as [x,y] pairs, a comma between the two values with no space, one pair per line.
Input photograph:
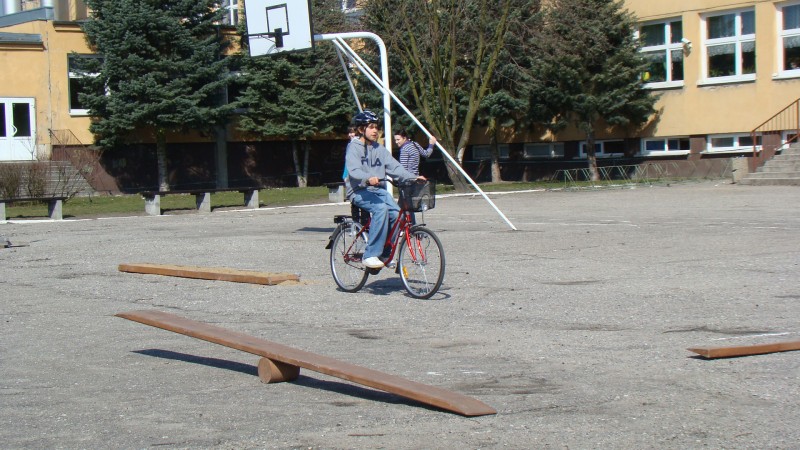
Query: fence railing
[787,119]
[646,173]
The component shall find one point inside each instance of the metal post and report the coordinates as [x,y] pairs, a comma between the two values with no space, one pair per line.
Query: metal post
[384,88]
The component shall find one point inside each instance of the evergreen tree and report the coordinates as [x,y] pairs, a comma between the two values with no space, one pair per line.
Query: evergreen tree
[588,70]
[162,68]
[299,95]
[506,106]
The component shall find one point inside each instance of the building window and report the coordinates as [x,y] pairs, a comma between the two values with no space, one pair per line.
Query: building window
[483,152]
[720,143]
[543,150]
[231,12]
[76,71]
[663,47]
[605,148]
[789,19]
[730,46]
[668,146]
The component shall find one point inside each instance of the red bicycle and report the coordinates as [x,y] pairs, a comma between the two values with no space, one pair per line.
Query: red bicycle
[416,249]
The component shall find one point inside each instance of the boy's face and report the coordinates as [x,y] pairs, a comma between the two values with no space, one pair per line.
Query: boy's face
[372,132]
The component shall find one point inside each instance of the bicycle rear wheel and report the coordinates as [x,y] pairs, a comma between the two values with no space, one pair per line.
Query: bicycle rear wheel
[347,249]
[421,264]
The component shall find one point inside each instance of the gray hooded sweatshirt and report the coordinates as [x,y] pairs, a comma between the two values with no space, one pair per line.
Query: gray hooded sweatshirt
[374,160]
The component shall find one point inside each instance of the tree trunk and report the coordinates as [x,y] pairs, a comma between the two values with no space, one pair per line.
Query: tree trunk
[301,181]
[307,151]
[460,184]
[591,157]
[495,150]
[161,160]
[221,156]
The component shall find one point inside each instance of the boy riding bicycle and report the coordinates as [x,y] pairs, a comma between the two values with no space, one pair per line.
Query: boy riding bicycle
[368,162]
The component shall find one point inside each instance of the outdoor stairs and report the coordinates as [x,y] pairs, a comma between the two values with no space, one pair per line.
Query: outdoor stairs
[781,170]
[58,178]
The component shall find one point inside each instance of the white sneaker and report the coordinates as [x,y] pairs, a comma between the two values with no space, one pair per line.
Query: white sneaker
[373,262]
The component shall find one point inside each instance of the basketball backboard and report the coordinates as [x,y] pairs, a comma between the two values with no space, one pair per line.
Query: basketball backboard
[275,26]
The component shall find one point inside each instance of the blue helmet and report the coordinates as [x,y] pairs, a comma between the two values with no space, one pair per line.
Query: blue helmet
[365,117]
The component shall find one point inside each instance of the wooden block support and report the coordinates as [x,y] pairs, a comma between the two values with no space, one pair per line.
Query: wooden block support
[746,350]
[210,273]
[294,358]
[276,372]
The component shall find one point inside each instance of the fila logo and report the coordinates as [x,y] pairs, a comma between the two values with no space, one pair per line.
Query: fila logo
[376,163]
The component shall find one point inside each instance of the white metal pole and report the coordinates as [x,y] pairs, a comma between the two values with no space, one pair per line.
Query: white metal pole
[387,101]
[385,89]
[349,80]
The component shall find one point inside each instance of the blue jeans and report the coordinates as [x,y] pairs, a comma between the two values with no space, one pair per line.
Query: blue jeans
[384,212]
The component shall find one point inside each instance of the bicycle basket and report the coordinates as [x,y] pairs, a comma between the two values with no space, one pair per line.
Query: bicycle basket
[418,196]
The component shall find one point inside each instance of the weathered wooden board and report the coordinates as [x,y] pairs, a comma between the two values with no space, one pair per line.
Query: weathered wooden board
[210,273]
[430,395]
[745,350]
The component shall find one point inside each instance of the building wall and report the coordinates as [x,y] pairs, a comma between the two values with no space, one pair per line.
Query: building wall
[699,107]
[40,71]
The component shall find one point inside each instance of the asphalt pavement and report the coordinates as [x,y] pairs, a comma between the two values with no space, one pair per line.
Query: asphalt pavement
[574,327]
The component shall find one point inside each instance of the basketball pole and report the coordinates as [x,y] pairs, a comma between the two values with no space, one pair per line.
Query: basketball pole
[383,85]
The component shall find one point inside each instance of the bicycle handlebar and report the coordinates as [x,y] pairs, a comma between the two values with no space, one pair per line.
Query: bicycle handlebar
[404,183]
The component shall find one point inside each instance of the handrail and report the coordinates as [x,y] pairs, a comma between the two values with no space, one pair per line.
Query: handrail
[64,138]
[786,119]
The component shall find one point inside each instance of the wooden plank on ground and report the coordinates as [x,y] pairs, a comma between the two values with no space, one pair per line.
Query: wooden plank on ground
[210,273]
[745,350]
[430,395]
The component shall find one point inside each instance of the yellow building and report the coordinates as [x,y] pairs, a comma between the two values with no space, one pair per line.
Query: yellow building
[39,106]
[35,103]
[720,67]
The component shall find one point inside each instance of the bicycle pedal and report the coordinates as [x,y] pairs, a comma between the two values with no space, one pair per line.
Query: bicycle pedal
[373,271]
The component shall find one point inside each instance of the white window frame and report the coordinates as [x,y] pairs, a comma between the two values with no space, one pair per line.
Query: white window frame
[737,40]
[556,150]
[484,152]
[600,149]
[668,47]
[666,152]
[782,72]
[737,147]
[231,12]
[74,76]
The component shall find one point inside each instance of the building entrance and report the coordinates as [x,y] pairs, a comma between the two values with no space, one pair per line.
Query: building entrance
[17,129]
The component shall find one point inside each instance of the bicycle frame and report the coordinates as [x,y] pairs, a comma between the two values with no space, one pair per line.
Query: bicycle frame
[403,223]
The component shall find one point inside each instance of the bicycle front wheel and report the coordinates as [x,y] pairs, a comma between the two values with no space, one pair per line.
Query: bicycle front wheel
[347,250]
[421,262]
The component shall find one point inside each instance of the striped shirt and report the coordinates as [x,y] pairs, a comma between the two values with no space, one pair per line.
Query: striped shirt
[410,153]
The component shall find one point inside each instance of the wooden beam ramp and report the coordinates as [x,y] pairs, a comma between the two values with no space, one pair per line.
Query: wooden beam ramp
[210,273]
[282,363]
[745,350]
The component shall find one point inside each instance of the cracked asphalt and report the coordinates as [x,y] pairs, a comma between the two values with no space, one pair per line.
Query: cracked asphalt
[575,327]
